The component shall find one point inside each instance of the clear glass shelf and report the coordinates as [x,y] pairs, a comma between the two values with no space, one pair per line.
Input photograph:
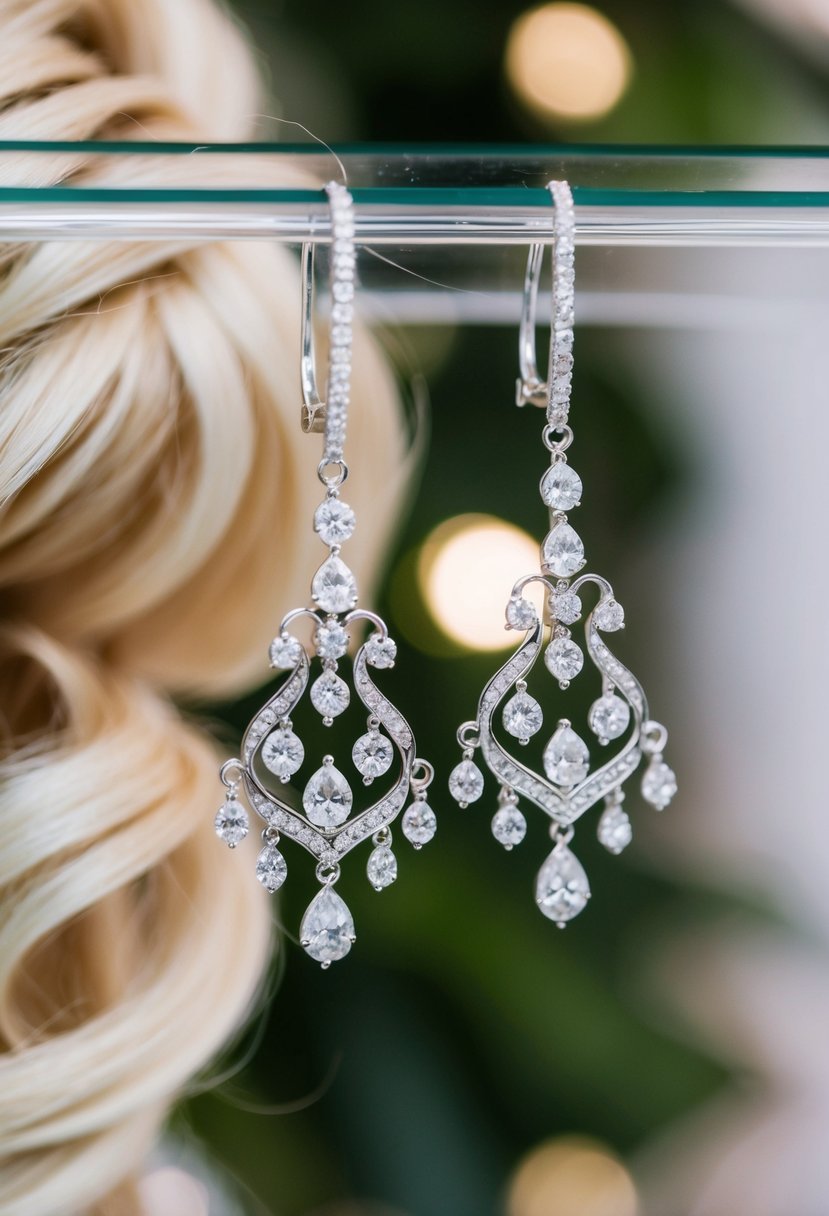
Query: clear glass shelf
[424,196]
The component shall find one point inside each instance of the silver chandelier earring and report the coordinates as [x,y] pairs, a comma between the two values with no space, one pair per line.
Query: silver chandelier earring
[568,787]
[321,816]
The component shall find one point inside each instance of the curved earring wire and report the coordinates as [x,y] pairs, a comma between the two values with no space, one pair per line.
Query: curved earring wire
[313,407]
[530,389]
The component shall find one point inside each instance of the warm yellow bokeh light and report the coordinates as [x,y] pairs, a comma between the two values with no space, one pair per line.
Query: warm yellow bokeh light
[567,61]
[467,567]
[572,1176]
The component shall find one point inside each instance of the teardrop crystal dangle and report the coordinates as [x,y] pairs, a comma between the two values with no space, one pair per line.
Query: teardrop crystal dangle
[320,815]
[570,784]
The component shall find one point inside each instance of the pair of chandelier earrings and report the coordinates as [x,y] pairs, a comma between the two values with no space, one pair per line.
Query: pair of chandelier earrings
[319,813]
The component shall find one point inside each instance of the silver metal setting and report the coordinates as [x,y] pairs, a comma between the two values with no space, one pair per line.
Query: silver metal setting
[324,820]
[569,786]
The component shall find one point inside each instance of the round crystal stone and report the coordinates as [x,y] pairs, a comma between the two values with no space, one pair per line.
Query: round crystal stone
[327,928]
[327,798]
[565,607]
[372,755]
[285,651]
[380,652]
[331,640]
[658,784]
[522,716]
[564,659]
[521,613]
[329,694]
[566,758]
[334,521]
[561,487]
[283,753]
[509,827]
[231,822]
[614,830]
[382,867]
[609,616]
[271,869]
[466,783]
[609,717]
[419,824]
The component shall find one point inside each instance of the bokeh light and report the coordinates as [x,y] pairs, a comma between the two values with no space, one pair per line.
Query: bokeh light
[467,567]
[567,61]
[572,1176]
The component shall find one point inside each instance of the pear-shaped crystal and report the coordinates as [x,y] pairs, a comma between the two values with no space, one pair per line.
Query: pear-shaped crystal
[271,868]
[564,659]
[327,798]
[562,889]
[329,695]
[609,717]
[419,823]
[466,783]
[382,867]
[327,929]
[614,830]
[561,487]
[509,827]
[372,755]
[231,823]
[283,753]
[658,783]
[522,717]
[334,588]
[566,758]
[563,551]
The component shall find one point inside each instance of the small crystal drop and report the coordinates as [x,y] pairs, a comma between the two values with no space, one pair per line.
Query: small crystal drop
[271,869]
[509,827]
[564,659]
[566,758]
[327,798]
[329,694]
[380,652]
[372,754]
[562,889]
[466,782]
[231,822]
[327,929]
[658,784]
[283,753]
[285,652]
[614,830]
[334,588]
[334,521]
[561,487]
[563,551]
[609,717]
[609,616]
[331,640]
[521,613]
[419,824]
[522,716]
[382,867]
[566,607]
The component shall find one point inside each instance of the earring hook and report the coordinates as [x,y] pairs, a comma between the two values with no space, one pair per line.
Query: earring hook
[554,391]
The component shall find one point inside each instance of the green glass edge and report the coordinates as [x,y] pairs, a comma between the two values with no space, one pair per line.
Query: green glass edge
[471,196]
[506,151]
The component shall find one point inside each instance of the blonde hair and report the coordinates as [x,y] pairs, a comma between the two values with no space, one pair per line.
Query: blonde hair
[155,495]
